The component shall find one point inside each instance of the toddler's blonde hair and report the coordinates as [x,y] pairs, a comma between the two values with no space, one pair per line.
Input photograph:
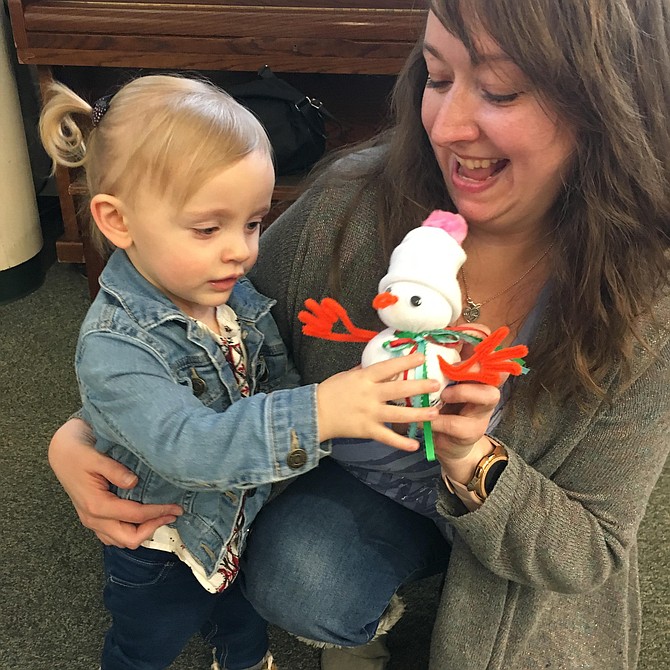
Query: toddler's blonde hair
[165,133]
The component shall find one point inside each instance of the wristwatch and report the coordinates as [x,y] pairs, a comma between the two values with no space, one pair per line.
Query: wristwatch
[486,474]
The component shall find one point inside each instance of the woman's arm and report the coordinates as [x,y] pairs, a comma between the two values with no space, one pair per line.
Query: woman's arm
[86,475]
[565,511]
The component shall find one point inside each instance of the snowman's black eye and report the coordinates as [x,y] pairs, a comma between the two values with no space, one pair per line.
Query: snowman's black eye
[415,300]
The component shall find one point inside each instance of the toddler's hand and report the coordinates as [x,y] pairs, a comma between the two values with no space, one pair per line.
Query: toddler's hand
[355,403]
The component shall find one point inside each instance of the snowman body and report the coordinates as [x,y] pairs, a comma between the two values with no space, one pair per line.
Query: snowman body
[415,315]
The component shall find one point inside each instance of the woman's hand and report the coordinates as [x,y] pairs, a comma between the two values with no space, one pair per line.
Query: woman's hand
[463,421]
[86,475]
[459,431]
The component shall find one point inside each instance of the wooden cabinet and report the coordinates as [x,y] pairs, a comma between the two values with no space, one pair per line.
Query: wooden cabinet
[345,53]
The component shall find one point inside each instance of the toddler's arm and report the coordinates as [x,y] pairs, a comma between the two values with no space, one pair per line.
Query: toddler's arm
[139,407]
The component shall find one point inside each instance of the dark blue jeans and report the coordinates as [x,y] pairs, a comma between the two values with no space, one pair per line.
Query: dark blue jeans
[157,605]
[325,557]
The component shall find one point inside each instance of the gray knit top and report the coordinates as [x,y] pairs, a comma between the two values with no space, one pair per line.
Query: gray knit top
[544,574]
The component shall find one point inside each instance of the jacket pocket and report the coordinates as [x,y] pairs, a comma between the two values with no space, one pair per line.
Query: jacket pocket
[203,381]
[271,368]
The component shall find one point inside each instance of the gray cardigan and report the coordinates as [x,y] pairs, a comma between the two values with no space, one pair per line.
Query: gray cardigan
[544,574]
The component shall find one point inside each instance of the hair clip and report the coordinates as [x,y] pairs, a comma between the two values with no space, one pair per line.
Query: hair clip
[100,107]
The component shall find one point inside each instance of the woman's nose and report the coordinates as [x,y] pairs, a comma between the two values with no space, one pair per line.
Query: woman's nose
[456,118]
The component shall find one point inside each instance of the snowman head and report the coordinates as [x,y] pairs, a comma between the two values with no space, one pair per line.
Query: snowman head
[407,305]
[423,276]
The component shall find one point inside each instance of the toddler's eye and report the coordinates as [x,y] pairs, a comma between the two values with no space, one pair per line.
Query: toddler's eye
[415,300]
[206,232]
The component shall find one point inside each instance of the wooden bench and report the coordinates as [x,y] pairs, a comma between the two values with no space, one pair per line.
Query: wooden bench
[345,53]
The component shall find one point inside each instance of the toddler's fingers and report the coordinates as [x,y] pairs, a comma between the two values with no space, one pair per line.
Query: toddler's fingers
[402,442]
[389,369]
[406,388]
[398,414]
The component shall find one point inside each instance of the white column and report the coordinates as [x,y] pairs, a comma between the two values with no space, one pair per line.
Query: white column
[20,232]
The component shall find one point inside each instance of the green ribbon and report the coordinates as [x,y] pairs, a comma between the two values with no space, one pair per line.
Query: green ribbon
[408,338]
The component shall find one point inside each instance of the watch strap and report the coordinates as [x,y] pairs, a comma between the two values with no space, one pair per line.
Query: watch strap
[474,493]
[469,498]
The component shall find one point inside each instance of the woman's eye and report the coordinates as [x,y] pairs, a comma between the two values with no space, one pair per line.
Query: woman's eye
[501,99]
[437,83]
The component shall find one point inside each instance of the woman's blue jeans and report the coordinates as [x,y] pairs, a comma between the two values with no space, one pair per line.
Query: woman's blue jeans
[157,605]
[325,557]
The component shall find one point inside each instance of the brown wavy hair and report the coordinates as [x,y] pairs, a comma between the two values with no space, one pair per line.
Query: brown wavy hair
[604,65]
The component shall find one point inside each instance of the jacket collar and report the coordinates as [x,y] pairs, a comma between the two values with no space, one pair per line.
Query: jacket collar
[149,307]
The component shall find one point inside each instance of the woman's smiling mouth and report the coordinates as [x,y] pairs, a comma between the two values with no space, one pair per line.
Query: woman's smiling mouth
[479,169]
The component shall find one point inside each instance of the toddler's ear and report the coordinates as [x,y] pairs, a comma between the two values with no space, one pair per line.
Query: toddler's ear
[107,212]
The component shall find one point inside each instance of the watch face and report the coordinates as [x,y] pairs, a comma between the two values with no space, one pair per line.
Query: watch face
[493,474]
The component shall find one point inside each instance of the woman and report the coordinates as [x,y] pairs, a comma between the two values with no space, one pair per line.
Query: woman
[538,121]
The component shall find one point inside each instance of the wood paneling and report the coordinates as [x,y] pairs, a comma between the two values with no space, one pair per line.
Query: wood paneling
[345,53]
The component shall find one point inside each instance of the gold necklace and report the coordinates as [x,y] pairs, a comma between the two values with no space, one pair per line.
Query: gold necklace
[473,309]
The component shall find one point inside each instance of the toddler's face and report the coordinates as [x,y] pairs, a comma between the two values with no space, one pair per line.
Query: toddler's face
[196,253]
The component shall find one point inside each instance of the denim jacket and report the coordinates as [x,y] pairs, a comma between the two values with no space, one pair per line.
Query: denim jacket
[163,401]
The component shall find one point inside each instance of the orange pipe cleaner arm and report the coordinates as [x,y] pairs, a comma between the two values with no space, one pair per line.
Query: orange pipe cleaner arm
[491,362]
[318,320]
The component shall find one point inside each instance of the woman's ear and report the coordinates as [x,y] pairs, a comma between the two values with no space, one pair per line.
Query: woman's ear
[108,214]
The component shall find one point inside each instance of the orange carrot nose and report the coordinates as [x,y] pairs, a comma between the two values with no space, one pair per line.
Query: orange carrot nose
[384,300]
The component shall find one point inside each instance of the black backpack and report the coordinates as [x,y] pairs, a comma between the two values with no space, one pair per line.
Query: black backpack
[294,122]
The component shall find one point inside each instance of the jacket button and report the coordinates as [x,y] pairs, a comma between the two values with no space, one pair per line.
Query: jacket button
[231,496]
[296,459]
[197,383]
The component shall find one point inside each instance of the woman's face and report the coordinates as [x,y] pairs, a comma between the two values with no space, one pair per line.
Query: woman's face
[501,151]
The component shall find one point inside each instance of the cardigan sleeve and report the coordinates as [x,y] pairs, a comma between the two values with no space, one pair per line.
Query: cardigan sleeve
[279,262]
[296,255]
[567,530]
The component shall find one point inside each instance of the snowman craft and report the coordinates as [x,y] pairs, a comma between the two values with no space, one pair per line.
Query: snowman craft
[418,298]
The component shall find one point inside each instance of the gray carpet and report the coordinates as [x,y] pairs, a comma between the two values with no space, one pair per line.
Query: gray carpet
[50,595]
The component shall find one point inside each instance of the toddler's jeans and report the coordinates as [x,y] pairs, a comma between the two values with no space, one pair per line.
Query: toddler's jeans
[157,605]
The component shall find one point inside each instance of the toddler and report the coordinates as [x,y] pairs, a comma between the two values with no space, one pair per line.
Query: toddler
[181,369]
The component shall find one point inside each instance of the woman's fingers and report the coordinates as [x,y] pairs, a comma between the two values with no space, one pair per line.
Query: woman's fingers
[128,535]
[107,507]
[471,396]
[465,414]
[115,473]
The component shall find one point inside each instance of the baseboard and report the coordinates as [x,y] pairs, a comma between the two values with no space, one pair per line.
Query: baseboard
[21,280]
